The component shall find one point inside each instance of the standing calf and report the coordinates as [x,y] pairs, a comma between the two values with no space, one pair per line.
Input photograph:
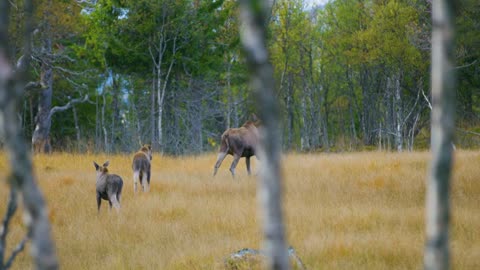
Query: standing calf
[141,167]
[239,142]
[109,186]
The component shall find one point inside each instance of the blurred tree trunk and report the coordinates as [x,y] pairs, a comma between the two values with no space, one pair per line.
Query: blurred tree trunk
[437,255]
[12,90]
[253,36]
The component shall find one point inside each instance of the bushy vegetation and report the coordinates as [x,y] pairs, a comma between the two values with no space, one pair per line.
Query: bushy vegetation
[351,74]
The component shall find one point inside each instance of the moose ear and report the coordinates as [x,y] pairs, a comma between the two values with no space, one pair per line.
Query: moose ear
[254,117]
[106,163]
[96,165]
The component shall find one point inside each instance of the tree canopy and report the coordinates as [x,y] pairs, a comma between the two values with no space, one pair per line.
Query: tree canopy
[349,74]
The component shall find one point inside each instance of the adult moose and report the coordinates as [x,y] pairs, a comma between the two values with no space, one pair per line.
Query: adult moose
[239,142]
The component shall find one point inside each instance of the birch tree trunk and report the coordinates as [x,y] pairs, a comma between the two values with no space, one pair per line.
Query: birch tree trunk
[12,88]
[77,127]
[398,114]
[161,85]
[304,140]
[97,124]
[253,37]
[104,129]
[152,111]
[437,254]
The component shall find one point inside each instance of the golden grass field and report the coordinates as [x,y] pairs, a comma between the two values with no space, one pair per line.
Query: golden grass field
[342,211]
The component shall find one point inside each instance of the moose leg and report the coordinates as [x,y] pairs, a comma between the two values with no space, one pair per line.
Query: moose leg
[144,182]
[99,202]
[148,176]
[236,158]
[136,176]
[114,201]
[220,158]
[247,160]
[148,179]
[110,203]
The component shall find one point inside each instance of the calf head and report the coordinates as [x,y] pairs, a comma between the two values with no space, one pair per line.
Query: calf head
[147,149]
[101,169]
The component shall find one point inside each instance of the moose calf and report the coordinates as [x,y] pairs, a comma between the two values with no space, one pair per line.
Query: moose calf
[109,186]
[141,167]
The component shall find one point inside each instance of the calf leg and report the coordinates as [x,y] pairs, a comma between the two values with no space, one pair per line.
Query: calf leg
[145,184]
[119,195]
[136,179]
[99,202]
[114,201]
[148,177]
[247,160]
[220,158]
[236,158]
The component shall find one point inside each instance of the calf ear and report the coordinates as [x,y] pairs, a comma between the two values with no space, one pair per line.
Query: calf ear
[106,163]
[96,165]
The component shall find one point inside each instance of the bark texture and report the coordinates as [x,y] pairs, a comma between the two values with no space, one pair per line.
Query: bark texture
[253,36]
[437,254]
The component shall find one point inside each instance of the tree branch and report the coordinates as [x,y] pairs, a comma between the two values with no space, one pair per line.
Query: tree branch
[11,208]
[468,131]
[466,65]
[427,100]
[68,105]
[34,86]
[19,248]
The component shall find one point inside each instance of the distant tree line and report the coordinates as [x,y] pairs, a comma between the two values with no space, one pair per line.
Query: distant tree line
[108,75]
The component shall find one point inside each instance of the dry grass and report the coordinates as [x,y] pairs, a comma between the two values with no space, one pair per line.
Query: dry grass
[343,211]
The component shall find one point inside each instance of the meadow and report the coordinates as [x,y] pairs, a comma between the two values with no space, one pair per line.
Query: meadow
[342,211]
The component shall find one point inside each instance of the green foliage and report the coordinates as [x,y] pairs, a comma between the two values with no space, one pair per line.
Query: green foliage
[334,68]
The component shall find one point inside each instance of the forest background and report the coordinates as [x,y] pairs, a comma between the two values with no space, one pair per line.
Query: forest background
[109,75]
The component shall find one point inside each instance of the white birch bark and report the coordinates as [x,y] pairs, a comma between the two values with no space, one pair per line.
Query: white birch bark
[437,254]
[252,15]
[398,114]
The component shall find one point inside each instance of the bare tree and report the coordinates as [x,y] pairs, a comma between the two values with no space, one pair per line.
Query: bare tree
[253,36]
[443,109]
[12,88]
[162,70]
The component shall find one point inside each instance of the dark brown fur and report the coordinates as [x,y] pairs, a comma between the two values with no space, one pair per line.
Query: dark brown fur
[142,168]
[239,142]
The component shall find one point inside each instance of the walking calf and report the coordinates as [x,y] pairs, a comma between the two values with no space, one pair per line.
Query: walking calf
[141,167]
[109,186]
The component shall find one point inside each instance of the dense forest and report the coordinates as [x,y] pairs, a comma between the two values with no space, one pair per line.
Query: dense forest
[108,75]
